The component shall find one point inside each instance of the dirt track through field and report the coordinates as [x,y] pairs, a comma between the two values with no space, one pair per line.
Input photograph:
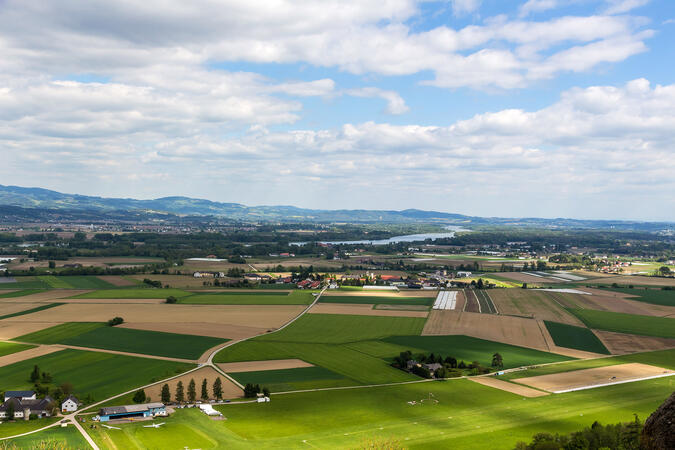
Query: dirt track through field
[362,310]
[28,354]
[255,366]
[230,390]
[621,344]
[507,329]
[576,379]
[508,387]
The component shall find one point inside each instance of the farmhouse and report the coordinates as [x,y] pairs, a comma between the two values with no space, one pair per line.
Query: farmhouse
[23,409]
[209,275]
[463,274]
[21,395]
[70,404]
[129,411]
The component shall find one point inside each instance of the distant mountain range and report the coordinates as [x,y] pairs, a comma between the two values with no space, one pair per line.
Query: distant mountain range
[15,201]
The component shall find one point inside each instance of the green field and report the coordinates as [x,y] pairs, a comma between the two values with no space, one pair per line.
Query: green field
[467,416]
[59,333]
[98,335]
[26,283]
[134,293]
[250,298]
[7,348]
[335,328]
[100,374]
[377,300]
[21,293]
[655,296]
[32,310]
[293,379]
[472,349]
[21,426]
[79,282]
[579,338]
[55,282]
[68,438]
[627,323]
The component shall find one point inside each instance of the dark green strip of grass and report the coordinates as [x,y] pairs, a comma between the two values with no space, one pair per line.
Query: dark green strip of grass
[59,333]
[21,293]
[286,375]
[579,338]
[626,323]
[377,300]
[32,310]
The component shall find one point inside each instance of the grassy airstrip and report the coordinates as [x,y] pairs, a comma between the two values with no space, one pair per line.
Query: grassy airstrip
[100,374]
[98,335]
[467,415]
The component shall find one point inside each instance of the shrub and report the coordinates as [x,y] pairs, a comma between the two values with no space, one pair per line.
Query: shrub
[115,321]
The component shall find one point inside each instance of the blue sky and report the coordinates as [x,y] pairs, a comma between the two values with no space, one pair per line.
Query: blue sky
[544,108]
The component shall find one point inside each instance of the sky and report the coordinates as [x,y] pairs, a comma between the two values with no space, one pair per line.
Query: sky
[528,108]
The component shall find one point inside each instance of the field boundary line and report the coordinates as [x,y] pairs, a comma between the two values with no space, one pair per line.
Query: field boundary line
[582,388]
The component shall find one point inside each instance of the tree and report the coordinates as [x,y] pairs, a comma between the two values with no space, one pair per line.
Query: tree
[524,286]
[192,391]
[266,392]
[441,372]
[180,393]
[497,360]
[139,396]
[205,390]
[166,394]
[251,390]
[218,389]
[66,388]
[115,321]
[10,410]
[35,374]
[171,299]
[52,264]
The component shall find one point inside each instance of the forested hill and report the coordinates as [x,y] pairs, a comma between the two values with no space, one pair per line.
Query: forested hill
[17,202]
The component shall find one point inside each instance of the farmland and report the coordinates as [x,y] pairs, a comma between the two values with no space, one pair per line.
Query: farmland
[377,300]
[250,298]
[293,379]
[7,348]
[575,337]
[467,415]
[31,310]
[99,374]
[627,323]
[654,296]
[134,293]
[95,335]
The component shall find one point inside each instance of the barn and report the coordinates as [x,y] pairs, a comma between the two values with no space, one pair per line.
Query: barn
[130,411]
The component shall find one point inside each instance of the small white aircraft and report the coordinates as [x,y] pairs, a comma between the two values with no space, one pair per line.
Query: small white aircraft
[110,428]
[154,425]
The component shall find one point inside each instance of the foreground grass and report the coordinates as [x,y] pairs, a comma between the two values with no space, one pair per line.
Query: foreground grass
[627,323]
[22,426]
[579,338]
[99,374]
[467,416]
[55,438]
[7,348]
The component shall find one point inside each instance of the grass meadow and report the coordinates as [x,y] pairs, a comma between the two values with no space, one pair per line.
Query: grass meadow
[467,416]
[377,300]
[579,338]
[627,323]
[293,379]
[649,295]
[134,293]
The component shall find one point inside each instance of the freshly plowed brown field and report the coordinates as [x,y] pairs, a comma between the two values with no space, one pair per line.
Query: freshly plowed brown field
[470,302]
[531,303]
[508,387]
[10,329]
[230,390]
[28,354]
[254,366]
[592,377]
[507,329]
[621,344]
[636,280]
[116,280]
[221,330]
[624,305]
[526,278]
[362,310]
[259,316]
